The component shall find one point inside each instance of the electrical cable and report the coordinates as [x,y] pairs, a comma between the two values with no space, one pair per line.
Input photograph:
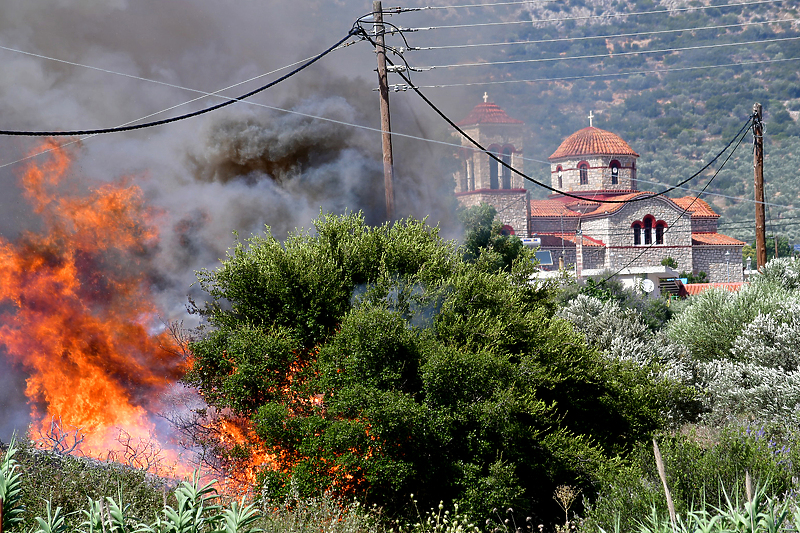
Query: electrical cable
[737,198]
[609,55]
[428,8]
[590,17]
[688,207]
[541,184]
[215,93]
[187,115]
[403,87]
[607,36]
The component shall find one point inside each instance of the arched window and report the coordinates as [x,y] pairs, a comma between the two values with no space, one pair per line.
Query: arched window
[560,174]
[637,233]
[583,170]
[506,230]
[470,176]
[614,166]
[493,164]
[505,172]
[660,227]
[633,175]
[648,229]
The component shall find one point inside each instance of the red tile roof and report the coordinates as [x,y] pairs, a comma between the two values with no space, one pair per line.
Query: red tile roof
[696,206]
[555,239]
[714,238]
[488,113]
[551,208]
[592,141]
[693,289]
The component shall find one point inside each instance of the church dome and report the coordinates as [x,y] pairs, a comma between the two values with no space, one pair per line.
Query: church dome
[487,113]
[592,141]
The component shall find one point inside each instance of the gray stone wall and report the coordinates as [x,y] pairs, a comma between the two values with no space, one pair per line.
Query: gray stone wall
[568,253]
[712,261]
[554,225]
[616,231]
[511,205]
[704,225]
[599,173]
[629,256]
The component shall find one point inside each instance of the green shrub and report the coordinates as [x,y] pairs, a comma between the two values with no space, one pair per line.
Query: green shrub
[703,468]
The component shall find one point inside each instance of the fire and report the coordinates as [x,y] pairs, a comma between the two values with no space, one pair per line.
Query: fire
[76,311]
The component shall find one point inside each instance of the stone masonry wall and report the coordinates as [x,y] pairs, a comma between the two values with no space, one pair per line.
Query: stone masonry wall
[704,225]
[616,233]
[599,175]
[711,260]
[554,225]
[511,206]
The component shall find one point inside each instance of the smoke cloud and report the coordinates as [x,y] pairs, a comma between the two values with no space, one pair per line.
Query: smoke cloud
[235,170]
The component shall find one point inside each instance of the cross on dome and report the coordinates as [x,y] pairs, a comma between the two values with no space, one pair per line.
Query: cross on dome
[485,97]
[590,118]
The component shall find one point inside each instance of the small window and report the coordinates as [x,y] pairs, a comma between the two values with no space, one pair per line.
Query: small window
[560,174]
[583,170]
[660,227]
[505,171]
[494,182]
[506,230]
[648,230]
[637,233]
[614,165]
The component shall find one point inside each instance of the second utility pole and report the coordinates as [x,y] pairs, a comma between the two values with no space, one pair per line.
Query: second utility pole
[386,125]
[758,166]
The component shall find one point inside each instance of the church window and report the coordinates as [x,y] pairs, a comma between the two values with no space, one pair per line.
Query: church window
[506,230]
[637,233]
[583,170]
[614,165]
[470,176]
[633,175]
[505,171]
[493,164]
[648,230]
[560,174]
[660,227]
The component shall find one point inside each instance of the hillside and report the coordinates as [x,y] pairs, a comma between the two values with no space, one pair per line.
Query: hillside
[675,79]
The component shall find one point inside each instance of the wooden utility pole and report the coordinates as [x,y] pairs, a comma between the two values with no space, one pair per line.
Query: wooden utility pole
[1,515]
[386,125]
[758,166]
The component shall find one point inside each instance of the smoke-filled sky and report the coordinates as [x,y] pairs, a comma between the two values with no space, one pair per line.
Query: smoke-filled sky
[236,169]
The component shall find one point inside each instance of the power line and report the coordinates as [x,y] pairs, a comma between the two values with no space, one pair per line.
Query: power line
[591,17]
[404,87]
[428,8]
[739,198]
[541,184]
[609,55]
[608,36]
[187,115]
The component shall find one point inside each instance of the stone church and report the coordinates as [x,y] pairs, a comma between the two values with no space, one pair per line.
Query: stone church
[587,235]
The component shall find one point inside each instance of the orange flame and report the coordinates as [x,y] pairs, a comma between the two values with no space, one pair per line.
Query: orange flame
[76,311]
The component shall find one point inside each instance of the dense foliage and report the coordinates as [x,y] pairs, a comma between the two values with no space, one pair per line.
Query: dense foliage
[738,351]
[119,500]
[378,362]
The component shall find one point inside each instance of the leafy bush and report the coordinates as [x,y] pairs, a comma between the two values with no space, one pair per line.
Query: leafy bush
[703,470]
[67,483]
[376,362]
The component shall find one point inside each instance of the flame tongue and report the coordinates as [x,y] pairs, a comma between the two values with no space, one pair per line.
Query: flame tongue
[76,311]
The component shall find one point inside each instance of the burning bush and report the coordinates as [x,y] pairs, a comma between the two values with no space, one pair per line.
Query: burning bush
[377,362]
